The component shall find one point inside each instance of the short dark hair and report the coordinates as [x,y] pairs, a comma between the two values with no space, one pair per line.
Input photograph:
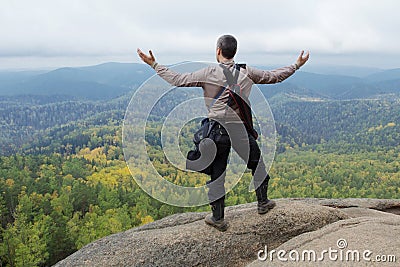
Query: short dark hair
[228,45]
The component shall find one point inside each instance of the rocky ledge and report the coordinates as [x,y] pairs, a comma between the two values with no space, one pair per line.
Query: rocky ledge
[294,224]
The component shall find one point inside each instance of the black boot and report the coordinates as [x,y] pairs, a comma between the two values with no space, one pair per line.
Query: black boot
[264,204]
[216,219]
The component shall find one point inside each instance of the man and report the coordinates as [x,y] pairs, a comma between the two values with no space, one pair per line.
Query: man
[212,79]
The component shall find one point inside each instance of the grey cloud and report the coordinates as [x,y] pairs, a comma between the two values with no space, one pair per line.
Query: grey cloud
[111,29]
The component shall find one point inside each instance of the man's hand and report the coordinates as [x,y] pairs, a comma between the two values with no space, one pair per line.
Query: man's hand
[146,59]
[302,59]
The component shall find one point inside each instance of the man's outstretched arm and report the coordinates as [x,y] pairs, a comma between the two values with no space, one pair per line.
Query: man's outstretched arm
[193,79]
[278,75]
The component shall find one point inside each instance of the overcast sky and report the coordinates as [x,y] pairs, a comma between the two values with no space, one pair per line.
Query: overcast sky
[57,33]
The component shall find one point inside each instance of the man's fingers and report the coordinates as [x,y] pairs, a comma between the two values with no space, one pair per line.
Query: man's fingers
[301,54]
[146,59]
[142,56]
[151,54]
[140,53]
[303,58]
[307,55]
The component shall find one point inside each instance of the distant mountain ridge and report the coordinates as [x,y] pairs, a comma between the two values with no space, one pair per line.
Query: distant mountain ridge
[110,80]
[337,87]
[104,81]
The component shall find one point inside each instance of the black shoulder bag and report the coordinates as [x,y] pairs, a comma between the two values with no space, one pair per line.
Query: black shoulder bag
[199,137]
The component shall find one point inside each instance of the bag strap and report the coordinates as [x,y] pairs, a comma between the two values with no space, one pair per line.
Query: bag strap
[231,80]
[244,108]
[245,113]
[217,96]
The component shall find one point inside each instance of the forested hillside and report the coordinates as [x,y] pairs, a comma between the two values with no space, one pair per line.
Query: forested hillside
[64,181]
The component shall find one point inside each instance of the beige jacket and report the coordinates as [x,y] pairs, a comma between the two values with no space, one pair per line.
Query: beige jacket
[212,78]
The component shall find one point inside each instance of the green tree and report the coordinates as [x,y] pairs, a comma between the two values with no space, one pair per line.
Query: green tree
[25,241]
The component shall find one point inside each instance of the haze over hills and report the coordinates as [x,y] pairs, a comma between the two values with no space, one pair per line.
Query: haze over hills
[102,81]
[110,80]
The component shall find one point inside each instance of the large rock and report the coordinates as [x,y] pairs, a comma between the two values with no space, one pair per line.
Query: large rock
[386,205]
[368,230]
[185,240]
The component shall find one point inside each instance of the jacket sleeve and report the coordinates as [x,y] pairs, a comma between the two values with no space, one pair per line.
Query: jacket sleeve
[192,79]
[274,76]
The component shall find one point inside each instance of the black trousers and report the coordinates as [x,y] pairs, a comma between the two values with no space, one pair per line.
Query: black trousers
[246,147]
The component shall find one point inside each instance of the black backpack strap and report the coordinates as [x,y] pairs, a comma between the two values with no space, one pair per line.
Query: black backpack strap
[240,66]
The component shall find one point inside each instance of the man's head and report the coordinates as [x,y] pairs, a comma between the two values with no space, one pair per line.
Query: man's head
[226,47]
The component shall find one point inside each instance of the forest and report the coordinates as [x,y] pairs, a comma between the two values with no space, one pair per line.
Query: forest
[64,182]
